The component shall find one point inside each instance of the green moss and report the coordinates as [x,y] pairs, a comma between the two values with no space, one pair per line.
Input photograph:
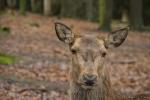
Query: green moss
[4,30]
[7,59]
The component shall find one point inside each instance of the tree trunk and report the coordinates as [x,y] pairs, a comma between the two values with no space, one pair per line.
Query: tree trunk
[124,17]
[33,5]
[69,8]
[36,5]
[89,9]
[22,6]
[105,14]
[136,20]
[47,7]
[2,4]
[11,3]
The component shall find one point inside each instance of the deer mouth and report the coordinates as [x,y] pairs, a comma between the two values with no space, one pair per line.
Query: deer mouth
[87,85]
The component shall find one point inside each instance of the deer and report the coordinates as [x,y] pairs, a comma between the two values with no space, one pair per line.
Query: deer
[89,77]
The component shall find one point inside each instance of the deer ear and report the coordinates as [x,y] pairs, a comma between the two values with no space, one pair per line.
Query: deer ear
[64,33]
[116,38]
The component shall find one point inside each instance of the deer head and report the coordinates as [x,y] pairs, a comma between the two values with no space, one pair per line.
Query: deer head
[89,53]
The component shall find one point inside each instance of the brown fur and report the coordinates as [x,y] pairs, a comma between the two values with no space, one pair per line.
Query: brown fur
[103,91]
[88,58]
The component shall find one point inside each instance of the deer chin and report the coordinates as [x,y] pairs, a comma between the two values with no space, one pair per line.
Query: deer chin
[87,87]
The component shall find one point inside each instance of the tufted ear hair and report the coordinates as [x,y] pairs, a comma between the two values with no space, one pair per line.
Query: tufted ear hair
[116,38]
[64,33]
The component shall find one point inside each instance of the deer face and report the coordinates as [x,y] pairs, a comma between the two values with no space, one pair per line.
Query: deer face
[88,53]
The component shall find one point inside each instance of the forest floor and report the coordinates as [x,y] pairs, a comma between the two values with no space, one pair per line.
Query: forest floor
[45,60]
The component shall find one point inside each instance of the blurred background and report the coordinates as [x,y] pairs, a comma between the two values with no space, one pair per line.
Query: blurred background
[34,64]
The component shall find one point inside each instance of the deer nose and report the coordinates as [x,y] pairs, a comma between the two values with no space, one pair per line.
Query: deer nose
[89,79]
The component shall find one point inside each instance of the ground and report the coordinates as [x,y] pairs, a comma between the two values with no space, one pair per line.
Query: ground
[44,59]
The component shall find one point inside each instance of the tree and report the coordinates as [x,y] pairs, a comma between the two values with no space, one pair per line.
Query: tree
[105,14]
[89,9]
[136,19]
[36,5]
[33,5]
[69,8]
[146,12]
[11,3]
[2,4]
[47,7]
[22,6]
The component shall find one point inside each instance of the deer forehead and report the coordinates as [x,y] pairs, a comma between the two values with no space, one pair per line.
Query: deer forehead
[89,43]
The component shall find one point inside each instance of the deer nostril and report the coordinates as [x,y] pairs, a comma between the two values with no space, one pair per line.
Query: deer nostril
[89,79]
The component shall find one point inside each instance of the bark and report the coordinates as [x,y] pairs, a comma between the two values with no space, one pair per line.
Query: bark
[89,9]
[2,4]
[36,5]
[11,3]
[105,14]
[136,19]
[124,17]
[22,6]
[69,8]
[33,5]
[47,7]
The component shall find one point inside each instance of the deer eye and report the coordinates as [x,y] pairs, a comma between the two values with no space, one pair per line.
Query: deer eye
[103,54]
